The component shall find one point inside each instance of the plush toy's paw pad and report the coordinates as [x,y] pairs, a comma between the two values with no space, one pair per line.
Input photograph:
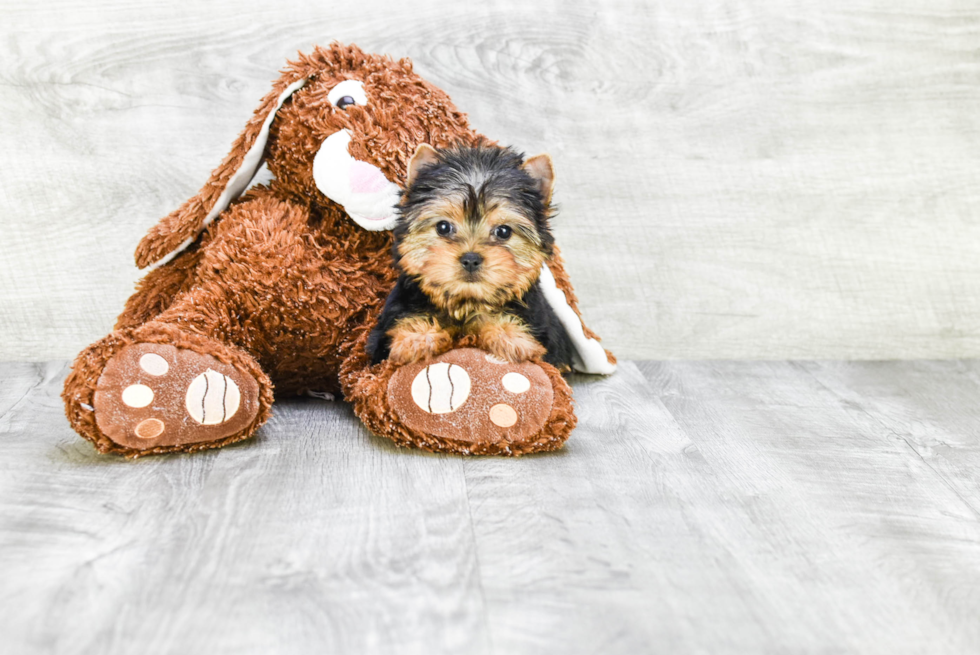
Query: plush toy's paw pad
[152,395]
[471,397]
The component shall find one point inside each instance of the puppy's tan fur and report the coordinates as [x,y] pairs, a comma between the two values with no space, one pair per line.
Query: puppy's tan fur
[470,304]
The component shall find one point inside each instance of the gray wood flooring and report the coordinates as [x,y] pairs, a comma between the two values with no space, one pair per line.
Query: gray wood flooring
[710,507]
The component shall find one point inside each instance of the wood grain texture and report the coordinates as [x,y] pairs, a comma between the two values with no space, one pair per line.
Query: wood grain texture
[709,507]
[314,538]
[822,501]
[737,180]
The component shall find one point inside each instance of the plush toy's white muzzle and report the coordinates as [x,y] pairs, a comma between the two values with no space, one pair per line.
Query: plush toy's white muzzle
[364,192]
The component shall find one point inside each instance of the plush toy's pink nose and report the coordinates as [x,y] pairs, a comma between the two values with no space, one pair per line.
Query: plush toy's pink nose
[365,178]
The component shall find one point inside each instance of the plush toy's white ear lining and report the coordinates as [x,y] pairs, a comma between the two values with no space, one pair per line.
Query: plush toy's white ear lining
[589,356]
[243,176]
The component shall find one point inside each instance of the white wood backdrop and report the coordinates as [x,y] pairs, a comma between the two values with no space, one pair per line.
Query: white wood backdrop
[738,179]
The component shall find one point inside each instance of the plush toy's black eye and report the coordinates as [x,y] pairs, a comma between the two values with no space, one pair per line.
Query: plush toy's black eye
[347,93]
[502,232]
[444,228]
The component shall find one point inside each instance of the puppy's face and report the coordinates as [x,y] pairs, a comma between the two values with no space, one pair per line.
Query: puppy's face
[473,228]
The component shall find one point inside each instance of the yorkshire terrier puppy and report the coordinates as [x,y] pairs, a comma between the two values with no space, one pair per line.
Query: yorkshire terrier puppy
[471,237]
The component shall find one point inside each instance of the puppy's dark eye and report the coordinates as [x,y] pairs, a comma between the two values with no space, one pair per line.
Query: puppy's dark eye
[502,232]
[444,228]
[345,102]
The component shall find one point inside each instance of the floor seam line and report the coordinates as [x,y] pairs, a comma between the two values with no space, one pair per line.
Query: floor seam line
[476,557]
[891,431]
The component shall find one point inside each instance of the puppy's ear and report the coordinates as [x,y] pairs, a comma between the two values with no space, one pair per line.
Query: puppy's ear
[424,155]
[542,171]
[179,229]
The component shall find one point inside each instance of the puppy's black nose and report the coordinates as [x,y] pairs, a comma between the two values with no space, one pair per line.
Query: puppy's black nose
[471,261]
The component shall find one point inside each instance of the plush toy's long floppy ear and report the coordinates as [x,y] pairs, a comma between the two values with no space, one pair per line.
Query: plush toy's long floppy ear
[589,355]
[179,229]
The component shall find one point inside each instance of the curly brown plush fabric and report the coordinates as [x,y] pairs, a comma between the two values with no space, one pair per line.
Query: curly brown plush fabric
[283,286]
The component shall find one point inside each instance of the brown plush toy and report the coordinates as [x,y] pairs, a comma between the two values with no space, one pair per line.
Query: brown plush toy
[280,284]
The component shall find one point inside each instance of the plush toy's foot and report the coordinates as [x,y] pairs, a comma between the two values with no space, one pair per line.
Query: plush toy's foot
[467,401]
[153,397]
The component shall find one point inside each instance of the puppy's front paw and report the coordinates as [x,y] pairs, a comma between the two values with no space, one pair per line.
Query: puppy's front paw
[516,349]
[508,340]
[417,338]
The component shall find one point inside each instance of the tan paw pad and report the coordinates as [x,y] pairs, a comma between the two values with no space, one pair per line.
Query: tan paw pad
[150,428]
[503,415]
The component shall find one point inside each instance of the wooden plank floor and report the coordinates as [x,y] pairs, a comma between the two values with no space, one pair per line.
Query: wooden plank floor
[705,507]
